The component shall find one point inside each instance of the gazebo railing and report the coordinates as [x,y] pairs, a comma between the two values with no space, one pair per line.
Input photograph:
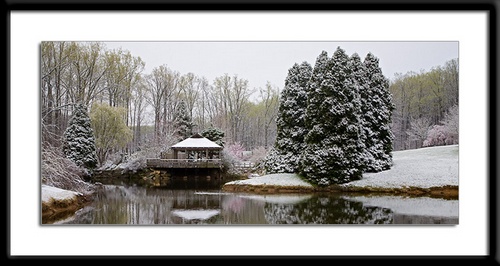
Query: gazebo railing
[183,163]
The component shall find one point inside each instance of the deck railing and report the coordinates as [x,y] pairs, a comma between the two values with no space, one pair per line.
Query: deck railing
[243,165]
[183,163]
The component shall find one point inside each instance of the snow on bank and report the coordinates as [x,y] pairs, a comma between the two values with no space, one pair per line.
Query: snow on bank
[52,193]
[286,180]
[422,168]
[279,199]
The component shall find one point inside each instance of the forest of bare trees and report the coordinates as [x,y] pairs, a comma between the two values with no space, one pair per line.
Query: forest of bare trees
[89,73]
[148,103]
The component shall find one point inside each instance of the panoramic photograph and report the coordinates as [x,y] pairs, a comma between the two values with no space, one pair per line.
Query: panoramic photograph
[249,133]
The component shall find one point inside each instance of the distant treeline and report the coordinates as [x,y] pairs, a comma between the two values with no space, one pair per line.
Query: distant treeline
[426,107]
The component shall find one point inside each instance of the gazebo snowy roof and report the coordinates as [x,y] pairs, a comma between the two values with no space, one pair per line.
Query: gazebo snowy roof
[196,142]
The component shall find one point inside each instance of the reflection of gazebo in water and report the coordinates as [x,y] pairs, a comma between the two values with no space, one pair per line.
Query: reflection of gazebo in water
[193,152]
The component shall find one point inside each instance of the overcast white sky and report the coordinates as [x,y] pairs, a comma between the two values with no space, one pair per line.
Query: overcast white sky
[260,61]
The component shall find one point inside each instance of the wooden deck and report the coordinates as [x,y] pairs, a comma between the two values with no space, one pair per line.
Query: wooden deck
[183,163]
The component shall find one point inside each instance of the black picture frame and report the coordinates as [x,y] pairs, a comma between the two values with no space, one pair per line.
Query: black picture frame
[275,5]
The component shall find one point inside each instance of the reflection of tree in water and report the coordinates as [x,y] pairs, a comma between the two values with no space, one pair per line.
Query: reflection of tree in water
[189,199]
[238,210]
[326,210]
[130,205]
[136,205]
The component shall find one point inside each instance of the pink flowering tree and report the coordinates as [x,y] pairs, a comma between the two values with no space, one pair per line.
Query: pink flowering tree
[436,136]
[445,134]
[235,150]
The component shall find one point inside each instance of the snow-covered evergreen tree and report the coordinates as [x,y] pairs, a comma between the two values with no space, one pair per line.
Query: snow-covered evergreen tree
[359,77]
[79,140]
[284,157]
[334,147]
[214,134]
[377,108]
[182,122]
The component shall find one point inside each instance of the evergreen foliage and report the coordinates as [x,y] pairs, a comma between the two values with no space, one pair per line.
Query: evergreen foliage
[359,78]
[334,152]
[79,141]
[285,154]
[214,134]
[377,108]
[183,123]
[333,121]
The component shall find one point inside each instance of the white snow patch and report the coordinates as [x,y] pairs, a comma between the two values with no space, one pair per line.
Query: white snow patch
[279,199]
[273,179]
[49,193]
[424,168]
[197,143]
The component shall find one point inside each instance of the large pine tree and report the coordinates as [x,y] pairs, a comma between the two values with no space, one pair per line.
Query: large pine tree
[285,155]
[334,147]
[182,122]
[377,108]
[79,140]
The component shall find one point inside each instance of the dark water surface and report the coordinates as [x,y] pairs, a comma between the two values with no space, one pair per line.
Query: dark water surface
[203,203]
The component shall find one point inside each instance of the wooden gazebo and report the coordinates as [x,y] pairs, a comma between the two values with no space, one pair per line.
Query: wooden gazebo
[193,152]
[199,147]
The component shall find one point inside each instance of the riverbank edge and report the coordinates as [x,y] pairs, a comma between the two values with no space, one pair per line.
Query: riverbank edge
[57,209]
[444,192]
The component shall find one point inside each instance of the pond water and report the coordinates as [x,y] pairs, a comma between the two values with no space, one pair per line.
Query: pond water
[203,203]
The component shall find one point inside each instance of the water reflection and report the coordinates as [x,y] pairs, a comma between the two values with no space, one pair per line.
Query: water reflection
[125,205]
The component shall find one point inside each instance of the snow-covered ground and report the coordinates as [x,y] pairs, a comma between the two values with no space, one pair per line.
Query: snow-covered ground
[49,193]
[279,199]
[423,168]
[273,179]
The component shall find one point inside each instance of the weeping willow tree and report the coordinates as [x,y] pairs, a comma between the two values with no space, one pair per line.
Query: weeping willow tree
[110,129]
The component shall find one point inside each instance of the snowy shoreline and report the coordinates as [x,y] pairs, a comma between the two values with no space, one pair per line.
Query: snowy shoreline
[425,171]
[429,171]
